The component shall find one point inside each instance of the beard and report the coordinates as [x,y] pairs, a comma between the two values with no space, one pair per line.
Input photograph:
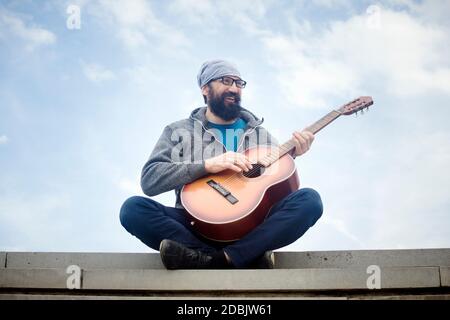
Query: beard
[225,110]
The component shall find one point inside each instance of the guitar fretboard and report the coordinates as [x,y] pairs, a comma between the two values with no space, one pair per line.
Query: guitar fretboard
[289,145]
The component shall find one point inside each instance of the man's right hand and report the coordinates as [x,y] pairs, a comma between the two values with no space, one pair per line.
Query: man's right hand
[229,160]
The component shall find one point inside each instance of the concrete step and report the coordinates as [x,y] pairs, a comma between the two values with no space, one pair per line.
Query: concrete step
[410,274]
[2,259]
[284,260]
[354,278]
[297,296]
[445,276]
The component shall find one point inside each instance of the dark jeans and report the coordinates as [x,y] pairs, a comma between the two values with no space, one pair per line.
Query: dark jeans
[287,221]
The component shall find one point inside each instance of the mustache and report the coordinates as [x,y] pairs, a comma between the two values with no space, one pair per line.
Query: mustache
[236,97]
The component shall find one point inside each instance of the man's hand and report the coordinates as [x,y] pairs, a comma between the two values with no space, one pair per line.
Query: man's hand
[302,141]
[229,160]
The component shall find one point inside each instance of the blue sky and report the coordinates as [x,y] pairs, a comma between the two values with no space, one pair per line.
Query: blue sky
[81,110]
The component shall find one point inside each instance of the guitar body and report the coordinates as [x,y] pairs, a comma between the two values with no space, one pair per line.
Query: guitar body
[227,218]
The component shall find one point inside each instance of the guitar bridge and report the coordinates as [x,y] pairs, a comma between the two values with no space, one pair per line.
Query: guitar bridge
[224,192]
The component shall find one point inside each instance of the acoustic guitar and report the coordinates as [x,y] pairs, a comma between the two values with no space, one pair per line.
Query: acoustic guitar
[227,205]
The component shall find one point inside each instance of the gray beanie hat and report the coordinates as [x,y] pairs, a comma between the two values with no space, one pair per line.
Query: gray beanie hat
[214,69]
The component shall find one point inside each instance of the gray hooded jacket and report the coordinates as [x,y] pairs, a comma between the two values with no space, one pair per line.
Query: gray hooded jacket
[180,153]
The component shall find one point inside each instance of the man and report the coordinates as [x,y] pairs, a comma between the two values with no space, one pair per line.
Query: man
[202,144]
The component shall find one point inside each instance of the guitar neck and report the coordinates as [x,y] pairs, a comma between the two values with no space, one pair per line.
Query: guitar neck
[289,145]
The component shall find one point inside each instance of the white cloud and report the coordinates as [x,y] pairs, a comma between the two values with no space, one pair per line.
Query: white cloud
[342,228]
[12,27]
[3,139]
[139,27]
[411,198]
[143,75]
[97,73]
[431,11]
[404,54]
[402,203]
[329,3]
[198,12]
[206,14]
[30,217]
[129,186]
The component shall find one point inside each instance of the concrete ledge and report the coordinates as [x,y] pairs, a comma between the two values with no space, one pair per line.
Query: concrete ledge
[364,258]
[2,260]
[41,296]
[223,280]
[259,280]
[404,274]
[91,260]
[445,276]
[33,278]
[297,296]
[284,260]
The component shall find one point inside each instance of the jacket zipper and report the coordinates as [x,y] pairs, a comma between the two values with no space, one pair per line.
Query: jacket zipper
[242,138]
[245,134]
[211,133]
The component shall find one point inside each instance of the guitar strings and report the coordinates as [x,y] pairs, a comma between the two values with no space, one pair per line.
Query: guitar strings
[256,167]
[271,157]
[237,175]
[284,148]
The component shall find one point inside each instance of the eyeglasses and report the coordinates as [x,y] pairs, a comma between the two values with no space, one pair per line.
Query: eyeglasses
[229,82]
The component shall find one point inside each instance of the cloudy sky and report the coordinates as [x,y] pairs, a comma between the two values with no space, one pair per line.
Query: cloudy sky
[83,101]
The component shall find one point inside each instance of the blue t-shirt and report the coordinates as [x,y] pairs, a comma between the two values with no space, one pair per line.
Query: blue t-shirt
[229,133]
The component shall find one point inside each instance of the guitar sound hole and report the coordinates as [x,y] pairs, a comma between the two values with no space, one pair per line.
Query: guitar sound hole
[256,171]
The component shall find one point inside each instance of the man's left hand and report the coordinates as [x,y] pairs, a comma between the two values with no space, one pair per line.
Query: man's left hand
[302,141]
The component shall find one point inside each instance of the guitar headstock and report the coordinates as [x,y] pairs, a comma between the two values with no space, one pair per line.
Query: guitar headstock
[356,105]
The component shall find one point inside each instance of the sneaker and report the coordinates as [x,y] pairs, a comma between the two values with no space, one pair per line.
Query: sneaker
[266,261]
[174,255]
